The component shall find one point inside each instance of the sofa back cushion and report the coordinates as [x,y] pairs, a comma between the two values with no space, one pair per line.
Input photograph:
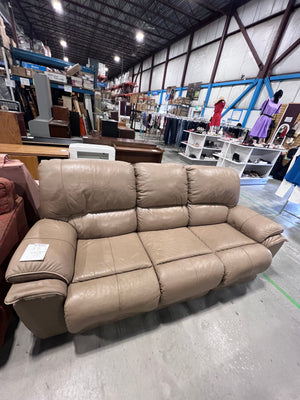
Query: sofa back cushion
[98,198]
[161,196]
[211,191]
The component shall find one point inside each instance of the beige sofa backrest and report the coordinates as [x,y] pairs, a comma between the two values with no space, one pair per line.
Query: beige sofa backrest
[211,192]
[98,198]
[161,196]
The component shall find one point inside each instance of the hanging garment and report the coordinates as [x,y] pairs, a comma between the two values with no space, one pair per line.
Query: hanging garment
[261,126]
[293,175]
[216,118]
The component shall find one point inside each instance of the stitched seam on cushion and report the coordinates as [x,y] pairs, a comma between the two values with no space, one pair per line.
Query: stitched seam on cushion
[201,240]
[116,275]
[35,296]
[60,240]
[36,272]
[154,269]
[250,259]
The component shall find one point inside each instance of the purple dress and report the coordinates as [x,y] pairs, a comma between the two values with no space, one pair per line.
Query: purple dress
[261,126]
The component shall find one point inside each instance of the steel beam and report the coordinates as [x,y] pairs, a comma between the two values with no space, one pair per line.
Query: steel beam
[248,40]
[180,10]
[140,84]
[166,67]
[151,71]
[285,53]
[187,58]
[221,45]
[253,100]
[269,87]
[239,98]
[281,29]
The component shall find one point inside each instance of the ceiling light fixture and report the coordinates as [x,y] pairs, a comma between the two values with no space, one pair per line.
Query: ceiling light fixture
[56,4]
[117,59]
[106,69]
[63,43]
[139,36]
[66,58]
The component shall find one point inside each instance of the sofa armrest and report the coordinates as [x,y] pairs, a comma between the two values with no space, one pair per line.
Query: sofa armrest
[59,259]
[40,305]
[252,224]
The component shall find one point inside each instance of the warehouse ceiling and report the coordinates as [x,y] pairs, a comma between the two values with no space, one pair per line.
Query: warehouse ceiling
[101,29]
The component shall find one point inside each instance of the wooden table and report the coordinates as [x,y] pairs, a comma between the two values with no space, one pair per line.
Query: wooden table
[138,153]
[29,154]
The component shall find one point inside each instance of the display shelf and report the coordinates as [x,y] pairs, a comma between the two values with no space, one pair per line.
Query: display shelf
[247,165]
[56,85]
[200,139]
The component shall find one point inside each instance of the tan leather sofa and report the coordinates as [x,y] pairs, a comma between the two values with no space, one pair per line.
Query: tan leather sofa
[129,239]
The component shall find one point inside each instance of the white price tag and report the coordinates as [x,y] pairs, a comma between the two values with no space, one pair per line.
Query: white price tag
[35,252]
[10,83]
[68,88]
[25,81]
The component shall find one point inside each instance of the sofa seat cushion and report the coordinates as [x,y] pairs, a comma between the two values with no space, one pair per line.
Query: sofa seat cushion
[103,300]
[221,236]
[172,244]
[97,258]
[244,262]
[187,278]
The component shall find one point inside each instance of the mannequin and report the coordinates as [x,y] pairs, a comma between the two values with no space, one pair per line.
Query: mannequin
[216,118]
[269,108]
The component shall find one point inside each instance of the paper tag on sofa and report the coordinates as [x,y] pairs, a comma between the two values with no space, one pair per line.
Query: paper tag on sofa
[35,252]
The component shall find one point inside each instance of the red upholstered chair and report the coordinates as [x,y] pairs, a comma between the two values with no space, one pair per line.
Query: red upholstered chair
[13,227]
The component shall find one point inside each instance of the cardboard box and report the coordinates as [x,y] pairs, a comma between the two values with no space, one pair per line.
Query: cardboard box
[88,85]
[4,37]
[73,70]
[21,71]
[76,82]
[55,77]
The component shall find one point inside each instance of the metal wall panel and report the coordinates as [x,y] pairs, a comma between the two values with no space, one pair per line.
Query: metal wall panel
[174,72]
[262,36]
[136,68]
[147,63]
[179,47]
[291,90]
[160,56]
[209,32]
[236,60]
[256,10]
[291,33]
[289,64]
[145,81]
[157,77]
[201,63]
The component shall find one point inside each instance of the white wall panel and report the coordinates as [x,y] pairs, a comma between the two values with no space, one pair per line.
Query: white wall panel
[160,57]
[157,77]
[137,80]
[201,63]
[209,32]
[147,63]
[289,64]
[256,10]
[236,60]
[233,25]
[145,81]
[291,33]
[245,102]
[179,47]
[291,90]
[174,72]
[136,68]
[262,36]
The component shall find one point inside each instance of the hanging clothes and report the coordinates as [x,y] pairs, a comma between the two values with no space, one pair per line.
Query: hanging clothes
[216,118]
[261,126]
[293,175]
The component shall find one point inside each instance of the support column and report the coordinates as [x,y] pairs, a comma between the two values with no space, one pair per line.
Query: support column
[141,71]
[253,101]
[187,58]
[166,66]
[151,72]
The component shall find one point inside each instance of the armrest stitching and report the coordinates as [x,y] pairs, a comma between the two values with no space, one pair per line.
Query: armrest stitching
[37,296]
[61,240]
[35,272]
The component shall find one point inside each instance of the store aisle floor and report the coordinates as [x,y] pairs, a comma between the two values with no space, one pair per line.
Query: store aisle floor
[236,343]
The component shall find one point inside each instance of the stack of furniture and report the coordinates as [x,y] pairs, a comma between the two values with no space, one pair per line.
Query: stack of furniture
[60,124]
[13,227]
[127,239]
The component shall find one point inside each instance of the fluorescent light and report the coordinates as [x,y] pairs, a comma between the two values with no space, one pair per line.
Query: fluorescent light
[106,69]
[56,4]
[117,58]
[139,36]
[66,59]
[63,43]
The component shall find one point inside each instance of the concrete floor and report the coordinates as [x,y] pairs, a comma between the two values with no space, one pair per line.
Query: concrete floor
[238,343]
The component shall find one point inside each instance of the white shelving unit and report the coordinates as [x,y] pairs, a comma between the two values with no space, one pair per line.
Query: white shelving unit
[248,154]
[197,146]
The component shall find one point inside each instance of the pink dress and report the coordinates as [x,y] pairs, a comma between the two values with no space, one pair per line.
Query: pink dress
[261,126]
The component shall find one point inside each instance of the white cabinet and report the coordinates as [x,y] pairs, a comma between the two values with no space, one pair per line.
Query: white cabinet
[200,149]
[253,164]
